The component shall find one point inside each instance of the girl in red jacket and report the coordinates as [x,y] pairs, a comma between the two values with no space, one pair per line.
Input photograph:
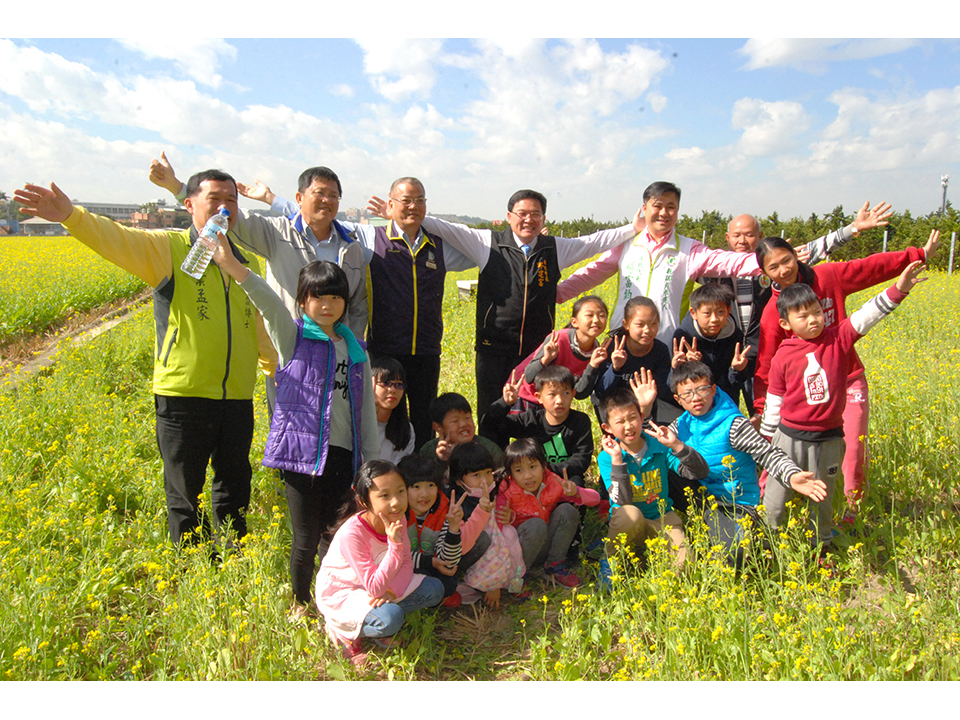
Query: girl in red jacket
[832,282]
[540,505]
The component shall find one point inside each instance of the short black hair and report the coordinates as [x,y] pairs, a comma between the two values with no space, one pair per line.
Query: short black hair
[324,173]
[469,457]
[407,181]
[659,188]
[442,404]
[527,195]
[689,371]
[620,398]
[794,297]
[321,278]
[713,292]
[522,449]
[421,468]
[556,374]
[193,184]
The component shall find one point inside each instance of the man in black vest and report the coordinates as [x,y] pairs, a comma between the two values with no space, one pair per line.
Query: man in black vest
[517,289]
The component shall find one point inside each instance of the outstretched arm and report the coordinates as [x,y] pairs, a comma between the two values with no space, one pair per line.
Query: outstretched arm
[867,218]
[590,275]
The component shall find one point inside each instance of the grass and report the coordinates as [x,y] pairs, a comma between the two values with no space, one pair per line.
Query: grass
[44,280]
[94,590]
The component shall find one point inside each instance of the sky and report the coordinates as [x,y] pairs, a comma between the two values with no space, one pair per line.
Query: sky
[740,124]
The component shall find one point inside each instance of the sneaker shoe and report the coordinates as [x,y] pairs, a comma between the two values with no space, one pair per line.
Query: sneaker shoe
[299,612]
[391,641]
[603,576]
[454,601]
[604,510]
[352,650]
[561,573]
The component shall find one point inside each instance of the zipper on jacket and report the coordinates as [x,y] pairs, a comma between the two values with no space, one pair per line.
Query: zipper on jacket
[173,340]
[226,369]
[523,317]
[332,377]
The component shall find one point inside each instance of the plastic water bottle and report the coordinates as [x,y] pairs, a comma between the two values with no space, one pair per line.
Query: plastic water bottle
[207,243]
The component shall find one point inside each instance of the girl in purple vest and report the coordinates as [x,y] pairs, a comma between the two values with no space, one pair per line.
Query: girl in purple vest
[575,347]
[325,422]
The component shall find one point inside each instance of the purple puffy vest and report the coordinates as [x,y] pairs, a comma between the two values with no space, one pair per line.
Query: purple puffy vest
[300,432]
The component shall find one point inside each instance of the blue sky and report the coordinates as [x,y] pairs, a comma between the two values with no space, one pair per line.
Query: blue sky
[796,126]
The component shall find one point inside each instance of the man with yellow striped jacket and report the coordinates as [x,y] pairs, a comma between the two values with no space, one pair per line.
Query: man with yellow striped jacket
[206,349]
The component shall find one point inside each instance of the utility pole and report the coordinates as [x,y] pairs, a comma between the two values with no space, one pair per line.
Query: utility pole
[944,179]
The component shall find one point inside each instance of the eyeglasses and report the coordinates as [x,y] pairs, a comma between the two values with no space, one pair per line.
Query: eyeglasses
[328,197]
[698,392]
[410,202]
[394,385]
[523,215]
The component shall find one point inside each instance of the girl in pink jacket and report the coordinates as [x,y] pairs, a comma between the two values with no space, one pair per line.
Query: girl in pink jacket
[366,584]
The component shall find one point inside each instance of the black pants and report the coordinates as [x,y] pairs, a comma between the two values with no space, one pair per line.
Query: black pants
[423,378]
[492,373]
[314,502]
[192,433]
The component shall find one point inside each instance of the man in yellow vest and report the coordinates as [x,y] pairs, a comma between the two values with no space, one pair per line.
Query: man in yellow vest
[205,358]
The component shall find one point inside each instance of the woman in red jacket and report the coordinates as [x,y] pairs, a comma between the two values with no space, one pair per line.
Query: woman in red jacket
[832,282]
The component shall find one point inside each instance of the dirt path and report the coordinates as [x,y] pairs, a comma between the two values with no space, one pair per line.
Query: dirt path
[36,352]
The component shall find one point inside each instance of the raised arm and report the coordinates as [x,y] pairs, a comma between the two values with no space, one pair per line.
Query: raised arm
[143,253]
[590,275]
[867,218]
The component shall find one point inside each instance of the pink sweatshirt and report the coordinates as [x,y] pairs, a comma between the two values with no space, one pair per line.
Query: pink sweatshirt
[361,565]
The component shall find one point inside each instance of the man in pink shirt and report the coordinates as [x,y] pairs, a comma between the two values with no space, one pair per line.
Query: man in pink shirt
[658,263]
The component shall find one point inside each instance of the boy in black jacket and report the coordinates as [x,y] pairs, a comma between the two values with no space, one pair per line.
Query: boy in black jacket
[566,435]
[710,335]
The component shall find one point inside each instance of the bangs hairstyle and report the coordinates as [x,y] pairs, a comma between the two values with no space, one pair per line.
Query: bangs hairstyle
[689,371]
[556,374]
[397,431]
[775,243]
[193,184]
[442,404]
[795,297]
[630,309]
[362,483]
[321,278]
[620,398]
[713,292]
[523,449]
[578,305]
[320,172]
[421,468]
[469,458]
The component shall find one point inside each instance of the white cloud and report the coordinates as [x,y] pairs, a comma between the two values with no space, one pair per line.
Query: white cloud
[769,128]
[400,68]
[342,90]
[198,58]
[813,55]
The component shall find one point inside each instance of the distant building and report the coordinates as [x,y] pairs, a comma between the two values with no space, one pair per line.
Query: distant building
[352,214]
[114,211]
[39,226]
[153,220]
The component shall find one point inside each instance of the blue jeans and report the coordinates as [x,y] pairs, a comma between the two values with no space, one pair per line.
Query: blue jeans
[387,619]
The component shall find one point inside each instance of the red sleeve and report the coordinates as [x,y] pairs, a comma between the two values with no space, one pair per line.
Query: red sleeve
[856,275]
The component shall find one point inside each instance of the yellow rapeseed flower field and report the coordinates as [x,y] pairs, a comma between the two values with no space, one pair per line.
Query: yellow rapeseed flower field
[44,279]
[94,590]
